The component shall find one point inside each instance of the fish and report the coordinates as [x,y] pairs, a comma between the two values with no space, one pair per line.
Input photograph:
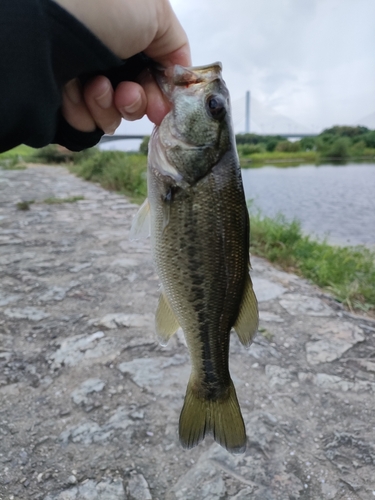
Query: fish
[198,220]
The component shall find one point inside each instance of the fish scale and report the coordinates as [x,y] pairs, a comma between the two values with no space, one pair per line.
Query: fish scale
[195,281]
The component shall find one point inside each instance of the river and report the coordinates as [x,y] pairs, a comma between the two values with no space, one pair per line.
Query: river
[332,201]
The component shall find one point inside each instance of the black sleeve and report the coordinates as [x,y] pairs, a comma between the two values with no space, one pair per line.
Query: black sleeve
[41,48]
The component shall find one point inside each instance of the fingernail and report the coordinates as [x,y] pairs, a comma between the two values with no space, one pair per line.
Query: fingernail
[105,99]
[73,91]
[132,108]
[110,130]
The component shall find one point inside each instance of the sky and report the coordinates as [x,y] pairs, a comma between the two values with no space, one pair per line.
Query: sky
[309,64]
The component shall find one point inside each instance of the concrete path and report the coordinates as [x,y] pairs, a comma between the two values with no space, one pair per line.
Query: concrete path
[89,402]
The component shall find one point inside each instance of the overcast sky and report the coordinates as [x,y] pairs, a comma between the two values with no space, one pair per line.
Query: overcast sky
[311,61]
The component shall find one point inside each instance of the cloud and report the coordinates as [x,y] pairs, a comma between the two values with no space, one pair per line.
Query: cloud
[311,60]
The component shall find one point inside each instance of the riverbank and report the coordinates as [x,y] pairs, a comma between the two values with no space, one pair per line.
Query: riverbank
[53,154]
[336,143]
[258,160]
[348,273]
[90,401]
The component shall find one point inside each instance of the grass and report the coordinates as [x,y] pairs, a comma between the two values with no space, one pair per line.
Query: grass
[57,201]
[117,171]
[18,152]
[279,157]
[49,155]
[114,170]
[12,165]
[15,158]
[257,159]
[25,205]
[348,273]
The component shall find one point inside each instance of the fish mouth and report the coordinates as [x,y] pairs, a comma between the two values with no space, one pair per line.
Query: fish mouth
[194,74]
[181,76]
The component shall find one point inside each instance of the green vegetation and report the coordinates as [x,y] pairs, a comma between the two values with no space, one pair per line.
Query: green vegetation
[346,272]
[264,142]
[18,152]
[115,170]
[336,143]
[24,205]
[143,148]
[51,154]
[58,201]
[278,157]
[14,159]
[12,164]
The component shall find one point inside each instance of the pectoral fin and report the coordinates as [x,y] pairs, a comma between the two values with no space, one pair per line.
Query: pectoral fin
[141,223]
[166,215]
[247,321]
[165,320]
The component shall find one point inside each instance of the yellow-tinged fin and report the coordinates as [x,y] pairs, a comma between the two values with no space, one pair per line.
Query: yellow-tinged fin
[166,323]
[222,418]
[247,320]
[141,224]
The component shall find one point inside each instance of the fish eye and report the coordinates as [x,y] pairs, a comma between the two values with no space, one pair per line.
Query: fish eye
[216,107]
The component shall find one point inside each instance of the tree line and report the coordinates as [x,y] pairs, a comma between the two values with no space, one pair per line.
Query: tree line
[335,142]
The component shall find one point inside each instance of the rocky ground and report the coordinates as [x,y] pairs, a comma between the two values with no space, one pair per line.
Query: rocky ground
[89,402]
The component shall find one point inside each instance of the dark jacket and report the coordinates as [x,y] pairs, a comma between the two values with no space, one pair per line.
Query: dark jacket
[41,48]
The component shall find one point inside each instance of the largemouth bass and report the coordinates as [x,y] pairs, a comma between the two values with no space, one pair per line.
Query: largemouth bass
[200,242]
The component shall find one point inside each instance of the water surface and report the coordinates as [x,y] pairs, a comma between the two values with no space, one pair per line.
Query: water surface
[333,201]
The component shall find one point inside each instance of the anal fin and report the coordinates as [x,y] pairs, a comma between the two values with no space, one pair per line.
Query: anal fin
[165,320]
[247,321]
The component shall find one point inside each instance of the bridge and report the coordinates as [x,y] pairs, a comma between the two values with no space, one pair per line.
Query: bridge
[263,120]
[121,137]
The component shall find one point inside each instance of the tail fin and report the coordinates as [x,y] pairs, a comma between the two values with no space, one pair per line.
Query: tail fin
[221,417]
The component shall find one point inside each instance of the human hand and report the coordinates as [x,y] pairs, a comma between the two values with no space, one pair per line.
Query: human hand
[90,107]
[126,27]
